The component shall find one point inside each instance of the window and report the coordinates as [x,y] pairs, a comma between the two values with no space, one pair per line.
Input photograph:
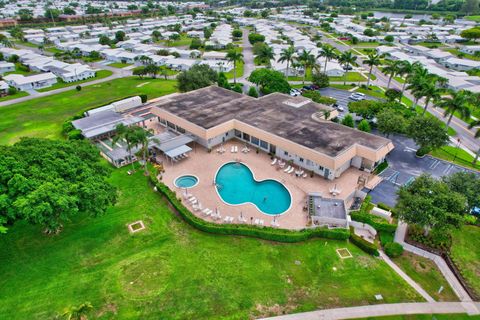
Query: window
[321,168]
[180,129]
[301,159]
[255,141]
[238,134]
[246,137]
[285,153]
[171,125]
[264,144]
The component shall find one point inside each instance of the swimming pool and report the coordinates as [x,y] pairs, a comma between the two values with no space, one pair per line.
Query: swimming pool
[186,181]
[236,185]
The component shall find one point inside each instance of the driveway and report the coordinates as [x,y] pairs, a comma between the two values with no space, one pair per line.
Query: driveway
[404,167]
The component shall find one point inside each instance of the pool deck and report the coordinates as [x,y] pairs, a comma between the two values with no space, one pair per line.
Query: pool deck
[204,165]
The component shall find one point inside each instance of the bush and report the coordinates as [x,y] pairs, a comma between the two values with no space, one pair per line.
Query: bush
[12,91]
[266,233]
[366,246]
[385,237]
[384,206]
[379,169]
[143,97]
[255,37]
[238,88]
[75,134]
[78,88]
[320,79]
[376,222]
[393,249]
[422,151]
[252,92]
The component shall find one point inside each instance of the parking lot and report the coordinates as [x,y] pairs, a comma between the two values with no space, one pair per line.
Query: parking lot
[404,166]
[342,98]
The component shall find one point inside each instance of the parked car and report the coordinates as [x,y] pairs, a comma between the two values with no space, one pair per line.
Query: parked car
[347,68]
[357,96]
[340,108]
[307,88]
[295,93]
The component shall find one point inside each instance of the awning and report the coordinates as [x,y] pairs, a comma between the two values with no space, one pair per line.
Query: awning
[178,151]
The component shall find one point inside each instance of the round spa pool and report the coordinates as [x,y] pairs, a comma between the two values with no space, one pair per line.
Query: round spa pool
[186,181]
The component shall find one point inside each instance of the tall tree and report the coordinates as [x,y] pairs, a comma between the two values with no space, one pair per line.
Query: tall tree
[307,60]
[373,59]
[266,53]
[428,132]
[456,103]
[235,57]
[405,70]
[347,59]
[328,53]
[286,55]
[431,93]
[391,69]
[476,123]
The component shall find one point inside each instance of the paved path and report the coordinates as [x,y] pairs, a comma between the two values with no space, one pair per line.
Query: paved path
[439,261]
[405,277]
[385,310]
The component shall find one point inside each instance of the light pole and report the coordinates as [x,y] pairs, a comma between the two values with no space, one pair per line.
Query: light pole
[456,152]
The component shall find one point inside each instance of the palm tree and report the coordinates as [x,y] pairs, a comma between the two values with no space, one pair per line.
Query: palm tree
[431,93]
[287,56]
[405,70]
[373,59]
[328,53]
[476,123]
[391,69]
[266,54]
[307,60]
[456,103]
[130,136]
[4,40]
[78,313]
[234,56]
[416,86]
[346,59]
[143,137]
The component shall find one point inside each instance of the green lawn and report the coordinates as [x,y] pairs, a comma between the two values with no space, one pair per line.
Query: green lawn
[352,77]
[239,69]
[473,18]
[426,273]
[372,44]
[20,69]
[431,45]
[43,117]
[457,53]
[399,79]
[182,42]
[60,84]
[172,271]
[461,157]
[374,92]
[465,252]
[119,65]
[341,86]
[19,94]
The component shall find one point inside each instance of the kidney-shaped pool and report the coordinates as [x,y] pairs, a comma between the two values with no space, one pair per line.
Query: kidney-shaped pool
[236,185]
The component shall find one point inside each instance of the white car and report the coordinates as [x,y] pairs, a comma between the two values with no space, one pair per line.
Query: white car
[340,108]
[357,96]
[295,93]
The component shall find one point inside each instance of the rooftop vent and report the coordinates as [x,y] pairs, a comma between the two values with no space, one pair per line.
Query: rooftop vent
[296,103]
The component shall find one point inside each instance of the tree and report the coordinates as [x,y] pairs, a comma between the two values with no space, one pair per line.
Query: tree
[269,81]
[470,7]
[120,36]
[346,59]
[265,13]
[430,204]
[391,69]
[366,108]
[389,38]
[255,37]
[431,93]
[266,54]
[252,92]
[392,94]
[198,76]
[467,184]
[47,182]
[471,34]
[78,312]
[104,40]
[456,103]
[364,126]
[476,123]
[237,33]
[307,60]
[389,121]
[348,121]
[51,13]
[369,32]
[69,11]
[5,42]
[223,81]
[328,53]
[156,35]
[207,33]
[139,71]
[373,59]
[286,55]
[427,132]
[152,70]
[235,57]
[195,44]
[25,14]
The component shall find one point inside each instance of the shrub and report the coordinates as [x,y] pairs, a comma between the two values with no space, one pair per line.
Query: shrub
[252,92]
[266,233]
[393,249]
[78,88]
[143,97]
[366,246]
[422,151]
[12,91]
[238,88]
[377,223]
[320,79]
[385,237]
[379,169]
[256,37]
[384,206]
[75,134]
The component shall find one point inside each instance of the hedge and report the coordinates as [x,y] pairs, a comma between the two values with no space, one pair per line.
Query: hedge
[393,249]
[266,233]
[366,246]
[368,219]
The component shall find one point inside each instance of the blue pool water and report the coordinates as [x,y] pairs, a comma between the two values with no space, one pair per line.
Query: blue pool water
[236,185]
[186,181]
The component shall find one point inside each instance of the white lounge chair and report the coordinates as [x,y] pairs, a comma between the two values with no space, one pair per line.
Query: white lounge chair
[227,219]
[232,149]
[191,199]
[291,170]
[273,162]
[197,207]
[288,169]
[261,222]
[236,149]
[304,175]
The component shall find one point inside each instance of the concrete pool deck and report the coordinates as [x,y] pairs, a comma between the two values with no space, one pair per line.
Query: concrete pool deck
[204,165]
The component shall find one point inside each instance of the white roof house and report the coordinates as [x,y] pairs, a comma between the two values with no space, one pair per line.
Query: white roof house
[6,67]
[214,55]
[36,81]
[461,64]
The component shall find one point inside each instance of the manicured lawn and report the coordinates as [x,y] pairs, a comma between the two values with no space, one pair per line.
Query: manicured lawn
[43,117]
[60,84]
[341,86]
[20,69]
[426,273]
[399,79]
[461,157]
[239,69]
[182,42]
[119,65]
[172,271]
[457,53]
[465,252]
[374,92]
[432,45]
[372,44]
[19,94]
[473,18]
[351,76]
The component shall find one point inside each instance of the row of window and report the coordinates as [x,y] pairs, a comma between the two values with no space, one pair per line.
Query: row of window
[253,140]
[170,125]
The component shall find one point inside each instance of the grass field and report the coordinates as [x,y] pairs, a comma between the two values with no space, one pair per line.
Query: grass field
[239,69]
[461,157]
[351,76]
[172,271]
[119,65]
[465,252]
[473,18]
[43,117]
[60,84]
[426,273]
[19,94]
[431,45]
[457,53]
